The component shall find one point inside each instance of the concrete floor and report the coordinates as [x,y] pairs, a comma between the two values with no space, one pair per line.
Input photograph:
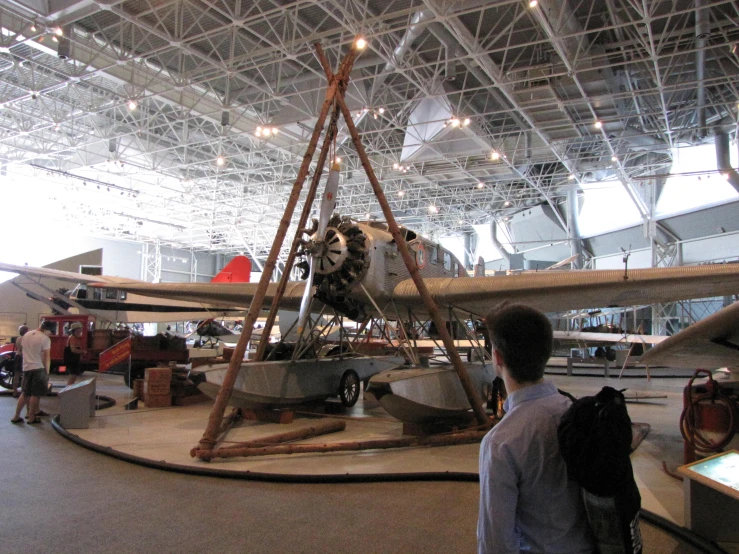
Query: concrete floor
[62,498]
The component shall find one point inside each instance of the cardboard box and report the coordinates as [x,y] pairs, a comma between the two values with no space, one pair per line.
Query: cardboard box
[156,387]
[158,374]
[157,400]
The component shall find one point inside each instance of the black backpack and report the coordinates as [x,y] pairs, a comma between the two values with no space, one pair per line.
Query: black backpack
[595,442]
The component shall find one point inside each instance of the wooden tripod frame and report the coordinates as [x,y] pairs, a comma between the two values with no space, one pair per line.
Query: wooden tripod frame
[334,96]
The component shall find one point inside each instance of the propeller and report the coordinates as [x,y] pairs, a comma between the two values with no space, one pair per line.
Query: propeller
[318,246]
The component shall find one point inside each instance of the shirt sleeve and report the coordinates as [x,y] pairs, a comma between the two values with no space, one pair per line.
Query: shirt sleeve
[496,533]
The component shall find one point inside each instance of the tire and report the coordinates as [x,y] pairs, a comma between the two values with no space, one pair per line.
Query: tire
[349,388]
[7,369]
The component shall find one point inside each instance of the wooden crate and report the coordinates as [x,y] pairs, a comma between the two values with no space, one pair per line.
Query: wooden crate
[158,374]
[156,388]
[157,400]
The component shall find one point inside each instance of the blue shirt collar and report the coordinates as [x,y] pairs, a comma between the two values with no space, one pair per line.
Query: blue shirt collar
[528,393]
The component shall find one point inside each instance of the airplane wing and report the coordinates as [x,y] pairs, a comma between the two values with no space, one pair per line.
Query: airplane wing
[574,290]
[548,291]
[612,338]
[59,275]
[711,343]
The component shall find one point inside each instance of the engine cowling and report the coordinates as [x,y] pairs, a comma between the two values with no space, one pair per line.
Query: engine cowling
[341,260]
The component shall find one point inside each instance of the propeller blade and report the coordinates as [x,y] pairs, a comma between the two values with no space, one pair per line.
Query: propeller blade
[305,301]
[328,200]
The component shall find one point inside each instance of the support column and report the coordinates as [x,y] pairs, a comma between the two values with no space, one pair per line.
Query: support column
[151,263]
[573,232]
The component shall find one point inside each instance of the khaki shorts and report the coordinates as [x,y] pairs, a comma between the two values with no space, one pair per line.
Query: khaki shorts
[35,382]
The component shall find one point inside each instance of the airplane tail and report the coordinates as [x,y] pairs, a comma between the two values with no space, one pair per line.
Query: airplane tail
[237,270]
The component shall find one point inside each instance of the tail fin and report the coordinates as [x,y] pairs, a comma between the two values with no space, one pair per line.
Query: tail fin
[237,270]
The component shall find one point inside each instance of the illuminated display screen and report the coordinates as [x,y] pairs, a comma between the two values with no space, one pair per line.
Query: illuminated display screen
[723,469]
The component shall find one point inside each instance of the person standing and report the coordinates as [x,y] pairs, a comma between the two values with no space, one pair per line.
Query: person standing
[18,360]
[36,364]
[73,353]
[527,503]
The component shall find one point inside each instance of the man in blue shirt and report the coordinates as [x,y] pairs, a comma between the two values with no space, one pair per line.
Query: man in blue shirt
[527,504]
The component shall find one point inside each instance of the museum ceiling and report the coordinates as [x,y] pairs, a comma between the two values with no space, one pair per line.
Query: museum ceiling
[193,116]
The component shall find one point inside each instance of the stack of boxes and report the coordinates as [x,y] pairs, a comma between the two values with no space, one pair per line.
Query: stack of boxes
[157,393]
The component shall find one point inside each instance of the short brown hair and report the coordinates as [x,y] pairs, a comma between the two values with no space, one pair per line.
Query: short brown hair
[523,336]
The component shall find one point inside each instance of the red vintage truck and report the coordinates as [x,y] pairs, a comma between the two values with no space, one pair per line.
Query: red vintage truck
[144,351]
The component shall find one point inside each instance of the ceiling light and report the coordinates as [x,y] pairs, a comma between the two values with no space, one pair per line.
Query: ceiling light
[396,165]
[571,176]
[533,4]
[132,105]
[381,110]
[460,222]
[401,193]
[433,209]
[598,124]
[367,215]
[507,203]
[58,31]
[33,27]
[266,132]
[337,160]
[360,43]
[55,39]
[466,121]
[274,131]
[480,184]
[220,160]
[495,156]
[454,122]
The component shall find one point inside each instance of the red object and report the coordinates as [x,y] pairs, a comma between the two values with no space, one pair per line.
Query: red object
[7,348]
[116,354]
[237,270]
[59,339]
[707,416]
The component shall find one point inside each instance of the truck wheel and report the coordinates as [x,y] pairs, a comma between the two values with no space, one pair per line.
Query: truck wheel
[7,369]
[349,388]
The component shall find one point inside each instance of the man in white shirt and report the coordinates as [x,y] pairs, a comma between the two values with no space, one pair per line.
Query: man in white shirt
[36,363]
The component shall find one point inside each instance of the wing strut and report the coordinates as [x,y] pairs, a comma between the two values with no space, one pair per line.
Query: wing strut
[212,430]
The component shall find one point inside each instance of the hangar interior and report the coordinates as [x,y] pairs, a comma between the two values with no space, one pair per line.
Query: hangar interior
[168,134]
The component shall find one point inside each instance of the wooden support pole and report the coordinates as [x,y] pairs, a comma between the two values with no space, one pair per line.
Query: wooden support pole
[381,444]
[261,350]
[235,450]
[224,394]
[472,396]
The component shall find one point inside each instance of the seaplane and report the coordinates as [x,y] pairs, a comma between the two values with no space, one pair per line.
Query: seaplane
[354,271]
[369,269]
